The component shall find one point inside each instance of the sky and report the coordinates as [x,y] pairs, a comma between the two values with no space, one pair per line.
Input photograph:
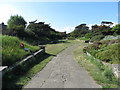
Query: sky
[62,16]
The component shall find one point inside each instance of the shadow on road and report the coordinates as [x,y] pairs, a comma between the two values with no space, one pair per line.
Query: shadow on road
[9,80]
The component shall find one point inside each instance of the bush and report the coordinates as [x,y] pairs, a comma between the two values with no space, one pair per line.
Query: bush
[116,29]
[71,38]
[97,38]
[88,35]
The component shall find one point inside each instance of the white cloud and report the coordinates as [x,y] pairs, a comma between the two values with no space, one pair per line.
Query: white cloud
[114,23]
[90,26]
[69,29]
[7,11]
[65,29]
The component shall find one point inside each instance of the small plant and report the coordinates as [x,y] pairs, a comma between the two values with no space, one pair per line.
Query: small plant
[97,38]
[108,73]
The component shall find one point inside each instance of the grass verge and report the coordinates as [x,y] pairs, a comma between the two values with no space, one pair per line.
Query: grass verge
[101,74]
[11,51]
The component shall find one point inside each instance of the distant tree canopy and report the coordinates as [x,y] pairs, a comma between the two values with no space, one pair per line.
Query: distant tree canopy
[79,31]
[16,21]
[16,24]
[96,33]
[37,30]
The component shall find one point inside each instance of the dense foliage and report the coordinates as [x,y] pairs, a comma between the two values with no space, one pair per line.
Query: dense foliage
[16,25]
[97,32]
[107,50]
[34,33]
[37,30]
[79,31]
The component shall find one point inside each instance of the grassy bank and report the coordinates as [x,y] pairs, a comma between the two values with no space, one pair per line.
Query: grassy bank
[101,74]
[107,50]
[51,51]
[11,51]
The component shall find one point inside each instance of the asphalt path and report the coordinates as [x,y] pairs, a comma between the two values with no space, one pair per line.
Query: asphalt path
[63,72]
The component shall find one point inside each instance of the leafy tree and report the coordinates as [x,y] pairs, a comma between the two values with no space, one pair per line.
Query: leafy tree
[17,25]
[38,30]
[79,31]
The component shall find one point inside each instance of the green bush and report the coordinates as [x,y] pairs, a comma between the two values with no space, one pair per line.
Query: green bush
[116,29]
[97,38]
[88,35]
[71,38]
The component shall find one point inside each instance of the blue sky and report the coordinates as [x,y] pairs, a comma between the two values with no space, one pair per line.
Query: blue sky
[62,16]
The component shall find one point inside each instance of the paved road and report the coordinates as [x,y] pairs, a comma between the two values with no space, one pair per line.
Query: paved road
[63,72]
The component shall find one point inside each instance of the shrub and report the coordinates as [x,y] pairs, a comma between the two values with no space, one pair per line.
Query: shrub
[88,35]
[116,29]
[71,38]
[97,38]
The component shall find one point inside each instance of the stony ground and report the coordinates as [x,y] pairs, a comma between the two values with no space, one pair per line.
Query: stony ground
[63,72]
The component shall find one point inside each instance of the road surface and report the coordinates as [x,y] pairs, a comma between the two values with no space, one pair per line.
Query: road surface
[63,72]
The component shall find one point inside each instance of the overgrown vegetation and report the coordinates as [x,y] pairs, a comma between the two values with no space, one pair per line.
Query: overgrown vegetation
[107,50]
[37,32]
[102,74]
[97,32]
[11,51]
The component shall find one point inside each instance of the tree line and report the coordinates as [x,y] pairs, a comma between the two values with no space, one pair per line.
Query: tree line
[39,32]
[96,33]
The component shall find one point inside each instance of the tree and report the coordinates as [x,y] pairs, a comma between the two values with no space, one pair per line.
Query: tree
[17,25]
[79,31]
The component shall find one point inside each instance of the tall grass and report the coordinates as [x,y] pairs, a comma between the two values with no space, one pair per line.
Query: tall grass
[107,51]
[11,51]
[101,73]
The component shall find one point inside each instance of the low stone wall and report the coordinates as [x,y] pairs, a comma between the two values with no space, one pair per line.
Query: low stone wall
[1,69]
[115,67]
[27,59]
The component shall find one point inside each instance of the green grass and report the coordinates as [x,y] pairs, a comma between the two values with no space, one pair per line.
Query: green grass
[107,51]
[11,51]
[51,50]
[110,53]
[83,38]
[101,74]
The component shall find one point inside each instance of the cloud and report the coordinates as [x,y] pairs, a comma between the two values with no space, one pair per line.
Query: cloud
[114,23]
[90,26]
[65,29]
[69,29]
